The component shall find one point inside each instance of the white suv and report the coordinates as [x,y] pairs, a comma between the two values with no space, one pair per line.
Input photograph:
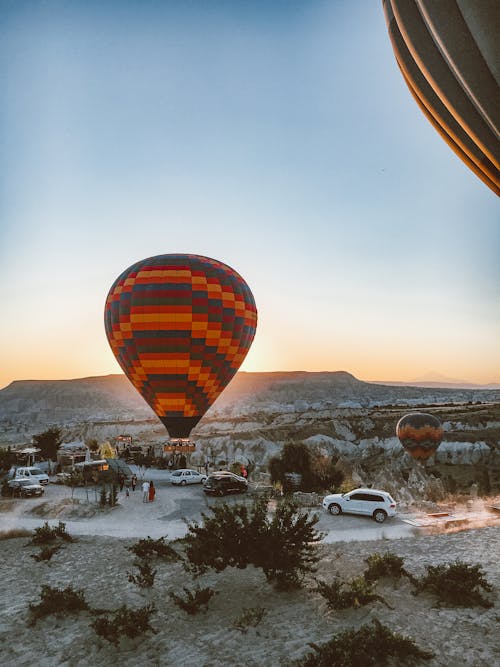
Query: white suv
[33,474]
[369,502]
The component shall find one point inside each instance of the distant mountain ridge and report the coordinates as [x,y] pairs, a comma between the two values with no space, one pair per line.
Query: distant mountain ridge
[440,384]
[107,402]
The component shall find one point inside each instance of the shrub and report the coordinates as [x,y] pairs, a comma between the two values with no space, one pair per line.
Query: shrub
[384,565]
[249,618]
[113,496]
[45,534]
[149,548]
[46,553]
[124,621]
[356,593]
[456,584]
[238,536]
[146,576]
[317,471]
[194,601]
[371,645]
[103,496]
[58,601]
[286,548]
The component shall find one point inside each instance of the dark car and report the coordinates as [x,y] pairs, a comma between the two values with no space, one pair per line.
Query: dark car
[25,488]
[220,484]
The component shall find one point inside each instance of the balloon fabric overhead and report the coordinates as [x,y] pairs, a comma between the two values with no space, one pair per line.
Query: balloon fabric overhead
[448,52]
[420,434]
[180,326]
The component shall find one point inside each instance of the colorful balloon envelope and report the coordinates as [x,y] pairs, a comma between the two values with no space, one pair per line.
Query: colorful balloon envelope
[448,54]
[180,326]
[420,434]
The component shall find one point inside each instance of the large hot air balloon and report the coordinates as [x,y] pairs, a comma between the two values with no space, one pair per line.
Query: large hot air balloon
[448,52]
[420,434]
[180,326]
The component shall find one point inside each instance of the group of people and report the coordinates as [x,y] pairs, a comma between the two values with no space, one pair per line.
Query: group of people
[148,488]
[148,492]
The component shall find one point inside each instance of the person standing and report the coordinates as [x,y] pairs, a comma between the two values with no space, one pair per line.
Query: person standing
[151,491]
[145,492]
[133,481]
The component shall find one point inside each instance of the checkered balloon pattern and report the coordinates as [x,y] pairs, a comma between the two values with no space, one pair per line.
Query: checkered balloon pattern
[420,434]
[180,326]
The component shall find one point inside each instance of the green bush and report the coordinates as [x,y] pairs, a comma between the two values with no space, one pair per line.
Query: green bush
[149,548]
[283,546]
[103,496]
[249,618]
[194,601]
[46,553]
[113,496]
[146,576]
[384,565]
[124,621]
[45,534]
[371,645]
[318,472]
[58,601]
[456,584]
[357,592]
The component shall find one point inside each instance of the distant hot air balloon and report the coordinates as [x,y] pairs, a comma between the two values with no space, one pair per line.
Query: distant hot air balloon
[180,326]
[448,52]
[420,434]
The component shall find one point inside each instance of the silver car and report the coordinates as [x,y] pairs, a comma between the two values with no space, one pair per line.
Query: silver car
[187,476]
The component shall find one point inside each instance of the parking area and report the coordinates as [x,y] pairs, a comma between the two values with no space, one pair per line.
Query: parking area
[167,515]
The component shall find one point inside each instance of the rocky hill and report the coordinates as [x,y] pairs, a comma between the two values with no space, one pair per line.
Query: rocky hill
[29,406]
[334,413]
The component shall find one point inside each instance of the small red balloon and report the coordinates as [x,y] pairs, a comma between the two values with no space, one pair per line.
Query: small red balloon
[420,434]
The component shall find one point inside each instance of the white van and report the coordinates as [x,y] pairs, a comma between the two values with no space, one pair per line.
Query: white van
[32,473]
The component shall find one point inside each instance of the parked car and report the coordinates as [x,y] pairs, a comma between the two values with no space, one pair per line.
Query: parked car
[227,472]
[31,473]
[368,502]
[185,476]
[222,483]
[25,487]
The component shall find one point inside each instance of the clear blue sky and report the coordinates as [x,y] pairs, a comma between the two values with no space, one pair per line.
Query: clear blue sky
[277,137]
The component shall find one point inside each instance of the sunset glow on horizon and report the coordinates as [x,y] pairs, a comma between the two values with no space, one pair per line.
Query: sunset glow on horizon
[278,138]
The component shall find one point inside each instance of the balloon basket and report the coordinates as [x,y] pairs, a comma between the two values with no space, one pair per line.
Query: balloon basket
[179,445]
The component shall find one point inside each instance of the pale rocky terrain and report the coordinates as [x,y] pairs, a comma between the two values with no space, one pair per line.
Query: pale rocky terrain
[98,565]
[333,413]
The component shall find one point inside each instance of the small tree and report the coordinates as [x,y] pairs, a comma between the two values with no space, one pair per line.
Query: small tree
[317,470]
[124,621]
[113,496]
[93,445]
[385,565]
[103,496]
[283,545]
[150,548]
[7,458]
[194,601]
[73,480]
[370,645]
[58,601]
[358,592]
[49,442]
[146,576]
[456,584]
